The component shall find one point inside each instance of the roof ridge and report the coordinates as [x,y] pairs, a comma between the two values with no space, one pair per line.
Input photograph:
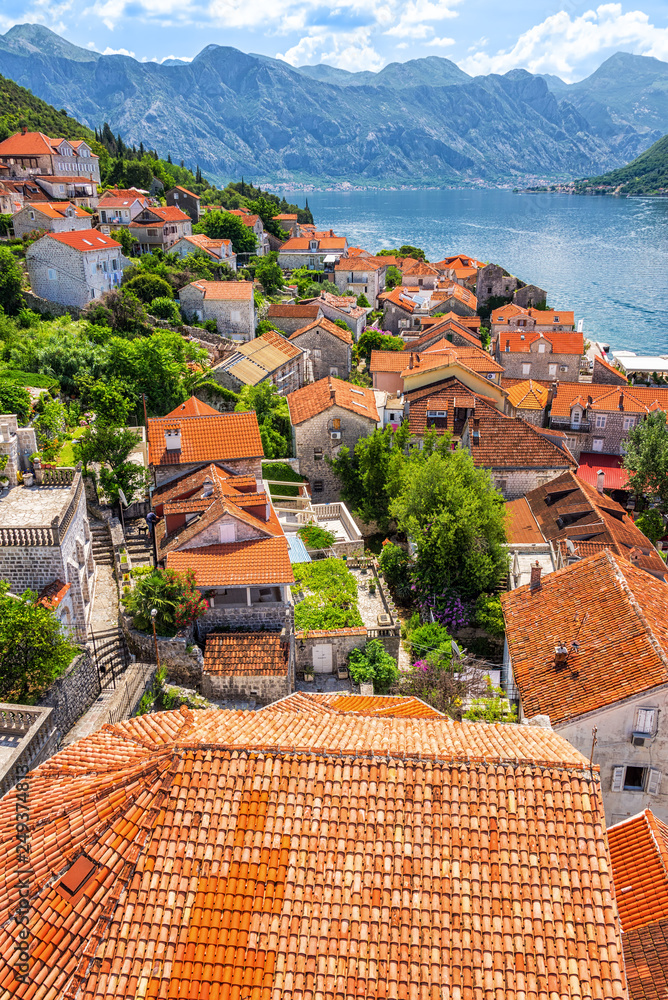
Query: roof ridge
[626,586]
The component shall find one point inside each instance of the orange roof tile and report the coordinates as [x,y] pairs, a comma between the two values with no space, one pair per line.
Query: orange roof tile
[616,614]
[529,395]
[224,291]
[639,855]
[258,562]
[521,526]
[207,438]
[387,361]
[361,264]
[53,594]
[388,706]
[646,961]
[84,240]
[608,398]
[328,326]
[473,358]
[312,399]
[28,144]
[277,854]
[248,654]
[336,243]
[519,341]
[193,407]
[58,209]
[293,310]
[177,187]
[512,443]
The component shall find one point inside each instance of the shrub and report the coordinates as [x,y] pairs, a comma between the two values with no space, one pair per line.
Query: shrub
[492,706]
[172,594]
[373,663]
[148,287]
[651,524]
[165,307]
[331,596]
[394,564]
[428,638]
[488,614]
[316,537]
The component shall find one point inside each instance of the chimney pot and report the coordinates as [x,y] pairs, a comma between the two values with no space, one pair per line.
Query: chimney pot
[410,360]
[24,130]
[536,571]
[600,480]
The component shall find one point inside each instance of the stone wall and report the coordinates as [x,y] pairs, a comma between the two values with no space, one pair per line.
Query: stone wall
[494,282]
[72,694]
[42,306]
[261,689]
[76,277]
[342,641]
[256,618]
[603,376]
[234,318]
[529,296]
[327,352]
[515,483]
[546,366]
[314,434]
[182,659]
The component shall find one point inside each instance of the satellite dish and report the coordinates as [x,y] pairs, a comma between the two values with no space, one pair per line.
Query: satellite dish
[456,651]
[570,548]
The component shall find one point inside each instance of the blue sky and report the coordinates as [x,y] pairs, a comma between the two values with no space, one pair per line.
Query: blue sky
[568,38]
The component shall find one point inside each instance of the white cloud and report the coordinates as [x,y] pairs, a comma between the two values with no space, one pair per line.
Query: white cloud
[568,46]
[118,52]
[415,16]
[441,43]
[347,50]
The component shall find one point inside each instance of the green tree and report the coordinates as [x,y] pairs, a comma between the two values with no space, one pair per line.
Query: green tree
[133,479]
[33,649]
[15,399]
[455,518]
[373,664]
[138,174]
[406,250]
[363,302]
[11,298]
[269,274]
[129,244]
[223,226]
[646,459]
[107,398]
[435,680]
[263,326]
[173,595]
[273,417]
[375,340]
[267,209]
[148,287]
[651,524]
[372,474]
[165,308]
[122,312]
[393,277]
[106,444]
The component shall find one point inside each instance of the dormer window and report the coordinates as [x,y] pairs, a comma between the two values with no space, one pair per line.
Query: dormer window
[313,245]
[173,438]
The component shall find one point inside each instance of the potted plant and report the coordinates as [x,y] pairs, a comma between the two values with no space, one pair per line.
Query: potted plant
[372,587]
[342,671]
[309,674]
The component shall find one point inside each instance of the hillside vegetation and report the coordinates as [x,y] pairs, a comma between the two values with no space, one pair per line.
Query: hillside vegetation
[648,174]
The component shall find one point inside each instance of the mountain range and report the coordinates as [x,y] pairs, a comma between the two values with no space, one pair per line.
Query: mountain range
[422,122]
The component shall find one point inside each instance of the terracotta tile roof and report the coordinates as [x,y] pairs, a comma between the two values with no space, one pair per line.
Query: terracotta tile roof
[328,326]
[293,311]
[646,961]
[224,291]
[545,317]
[120,199]
[388,706]
[387,361]
[512,443]
[615,475]
[245,216]
[473,358]
[271,854]
[28,144]
[312,399]
[450,395]
[529,395]
[519,341]
[418,268]
[455,291]
[185,191]
[193,407]
[569,507]
[166,213]
[335,243]
[361,264]
[402,297]
[53,594]
[438,327]
[608,398]
[84,240]
[343,303]
[615,612]
[59,209]
[521,526]
[259,562]
[287,217]
[241,654]
[318,633]
[190,482]
[639,855]
[208,438]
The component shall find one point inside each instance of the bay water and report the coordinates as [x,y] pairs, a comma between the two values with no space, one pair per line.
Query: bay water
[604,257]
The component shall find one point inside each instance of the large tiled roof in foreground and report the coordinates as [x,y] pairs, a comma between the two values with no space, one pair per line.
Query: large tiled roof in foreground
[614,611]
[314,856]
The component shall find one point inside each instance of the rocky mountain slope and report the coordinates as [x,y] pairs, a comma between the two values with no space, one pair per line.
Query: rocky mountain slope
[420,122]
[648,174]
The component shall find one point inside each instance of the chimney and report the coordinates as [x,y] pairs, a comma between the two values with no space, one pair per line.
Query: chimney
[635,555]
[536,571]
[332,391]
[600,480]
[560,656]
[24,130]
[621,400]
[554,389]
[173,438]
[476,430]
[410,360]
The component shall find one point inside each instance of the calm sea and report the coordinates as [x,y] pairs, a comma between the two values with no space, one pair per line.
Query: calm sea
[606,258]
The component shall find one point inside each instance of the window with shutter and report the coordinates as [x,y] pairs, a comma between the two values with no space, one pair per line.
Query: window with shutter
[617,779]
[654,781]
[645,720]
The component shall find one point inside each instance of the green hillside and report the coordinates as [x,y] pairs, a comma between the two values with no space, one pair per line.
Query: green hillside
[648,174]
[19,107]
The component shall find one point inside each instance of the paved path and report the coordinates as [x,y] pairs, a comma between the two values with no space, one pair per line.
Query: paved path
[105,604]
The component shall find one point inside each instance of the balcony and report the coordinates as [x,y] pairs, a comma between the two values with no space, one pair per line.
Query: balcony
[565,424]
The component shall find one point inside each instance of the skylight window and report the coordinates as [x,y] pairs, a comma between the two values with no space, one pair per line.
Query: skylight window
[88,242]
[358,392]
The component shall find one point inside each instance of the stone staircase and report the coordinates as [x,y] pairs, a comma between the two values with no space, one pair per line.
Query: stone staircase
[140,549]
[103,553]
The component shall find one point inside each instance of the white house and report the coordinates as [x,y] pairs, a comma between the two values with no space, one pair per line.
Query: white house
[73,268]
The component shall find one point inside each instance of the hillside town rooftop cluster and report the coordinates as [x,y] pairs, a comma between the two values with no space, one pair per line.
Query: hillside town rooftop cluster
[302,835]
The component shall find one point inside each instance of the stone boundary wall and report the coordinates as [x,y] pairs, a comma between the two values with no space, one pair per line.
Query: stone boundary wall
[38,740]
[72,694]
[264,690]
[257,618]
[182,659]
[40,305]
[342,642]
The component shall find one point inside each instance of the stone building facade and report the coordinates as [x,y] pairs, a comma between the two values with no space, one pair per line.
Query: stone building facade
[160,227]
[33,154]
[180,197]
[269,358]
[253,665]
[328,349]
[229,303]
[74,268]
[538,358]
[45,537]
[361,276]
[606,374]
[494,282]
[52,217]
[529,296]
[289,317]
[18,444]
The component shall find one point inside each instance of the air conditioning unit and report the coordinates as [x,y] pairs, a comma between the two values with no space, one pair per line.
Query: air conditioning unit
[563,368]
[335,435]
[638,739]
